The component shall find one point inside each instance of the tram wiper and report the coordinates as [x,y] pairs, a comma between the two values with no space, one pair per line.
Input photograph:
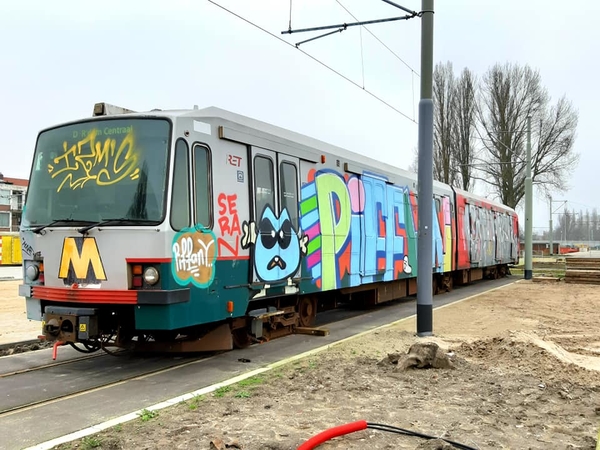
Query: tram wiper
[120,221]
[38,230]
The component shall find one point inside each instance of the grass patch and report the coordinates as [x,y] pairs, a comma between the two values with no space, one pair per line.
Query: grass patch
[222,391]
[557,273]
[147,415]
[195,402]
[90,442]
[243,394]
[252,381]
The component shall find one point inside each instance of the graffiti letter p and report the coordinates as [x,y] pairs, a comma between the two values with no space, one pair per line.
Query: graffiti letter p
[334,218]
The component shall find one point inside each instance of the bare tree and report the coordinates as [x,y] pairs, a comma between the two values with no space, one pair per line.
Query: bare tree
[509,94]
[414,165]
[463,145]
[454,125]
[444,123]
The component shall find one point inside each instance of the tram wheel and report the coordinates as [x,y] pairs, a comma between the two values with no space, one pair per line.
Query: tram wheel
[307,311]
[241,338]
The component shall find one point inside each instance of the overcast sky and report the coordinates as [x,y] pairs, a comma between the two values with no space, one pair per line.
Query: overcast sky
[61,57]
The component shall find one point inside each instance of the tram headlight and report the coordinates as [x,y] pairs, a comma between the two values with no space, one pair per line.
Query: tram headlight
[151,276]
[32,272]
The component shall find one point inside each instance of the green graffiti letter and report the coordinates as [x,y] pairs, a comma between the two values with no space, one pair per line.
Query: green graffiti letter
[334,218]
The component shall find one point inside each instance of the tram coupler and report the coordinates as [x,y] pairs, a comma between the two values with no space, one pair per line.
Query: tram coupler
[67,324]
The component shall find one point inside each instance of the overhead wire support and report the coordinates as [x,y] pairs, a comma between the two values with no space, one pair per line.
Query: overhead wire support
[343,26]
[318,61]
[402,7]
[382,43]
[298,44]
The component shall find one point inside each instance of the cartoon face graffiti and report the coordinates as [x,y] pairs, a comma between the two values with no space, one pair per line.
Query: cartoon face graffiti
[278,247]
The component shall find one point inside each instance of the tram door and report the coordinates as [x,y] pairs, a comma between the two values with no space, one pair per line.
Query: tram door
[276,253]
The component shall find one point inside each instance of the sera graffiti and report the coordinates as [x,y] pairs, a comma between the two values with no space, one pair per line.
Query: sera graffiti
[194,256]
[229,226]
[94,158]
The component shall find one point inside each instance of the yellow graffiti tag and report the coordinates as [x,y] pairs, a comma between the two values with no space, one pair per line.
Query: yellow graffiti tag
[96,159]
[81,261]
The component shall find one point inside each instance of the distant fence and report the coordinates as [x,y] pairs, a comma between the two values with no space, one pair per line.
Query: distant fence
[10,249]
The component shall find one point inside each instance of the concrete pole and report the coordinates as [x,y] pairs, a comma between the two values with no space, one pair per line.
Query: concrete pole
[551,231]
[528,209]
[425,175]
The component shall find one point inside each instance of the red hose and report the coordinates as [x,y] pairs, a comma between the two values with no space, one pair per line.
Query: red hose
[55,348]
[324,436]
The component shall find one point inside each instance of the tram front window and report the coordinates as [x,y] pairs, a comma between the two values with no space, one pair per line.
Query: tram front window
[100,170]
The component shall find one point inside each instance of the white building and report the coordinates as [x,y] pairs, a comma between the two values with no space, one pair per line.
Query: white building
[12,198]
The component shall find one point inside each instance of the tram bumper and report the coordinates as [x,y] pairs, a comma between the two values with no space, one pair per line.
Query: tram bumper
[70,324]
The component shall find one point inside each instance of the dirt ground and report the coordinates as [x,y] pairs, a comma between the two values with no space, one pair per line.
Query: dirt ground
[526,363]
[14,325]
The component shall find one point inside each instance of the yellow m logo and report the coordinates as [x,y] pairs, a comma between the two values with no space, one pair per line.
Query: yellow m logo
[79,255]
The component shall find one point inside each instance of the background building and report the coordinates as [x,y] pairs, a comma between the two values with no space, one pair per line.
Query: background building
[12,198]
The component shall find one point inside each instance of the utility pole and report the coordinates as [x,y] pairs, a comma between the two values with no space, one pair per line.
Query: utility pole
[425,169]
[425,177]
[528,208]
[551,232]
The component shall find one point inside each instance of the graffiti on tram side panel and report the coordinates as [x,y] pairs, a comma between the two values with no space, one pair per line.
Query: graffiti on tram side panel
[278,247]
[482,235]
[229,225]
[358,229]
[103,157]
[442,235]
[194,256]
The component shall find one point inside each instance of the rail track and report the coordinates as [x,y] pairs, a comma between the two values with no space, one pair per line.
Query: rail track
[36,386]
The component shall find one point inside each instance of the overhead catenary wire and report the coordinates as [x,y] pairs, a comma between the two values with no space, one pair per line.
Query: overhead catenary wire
[380,41]
[412,71]
[362,60]
[406,116]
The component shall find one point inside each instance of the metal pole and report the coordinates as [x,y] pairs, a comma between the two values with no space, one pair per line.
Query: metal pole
[528,209]
[425,175]
[551,231]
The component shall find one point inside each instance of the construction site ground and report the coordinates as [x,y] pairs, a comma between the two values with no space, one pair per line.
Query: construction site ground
[525,375]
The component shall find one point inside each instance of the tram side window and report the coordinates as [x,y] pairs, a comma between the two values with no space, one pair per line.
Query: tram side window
[180,199]
[264,182]
[202,186]
[289,191]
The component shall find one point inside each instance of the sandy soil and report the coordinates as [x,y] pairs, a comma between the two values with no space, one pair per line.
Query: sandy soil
[14,325]
[526,362]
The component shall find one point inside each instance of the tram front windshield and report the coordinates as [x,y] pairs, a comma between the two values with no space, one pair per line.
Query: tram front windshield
[100,170]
